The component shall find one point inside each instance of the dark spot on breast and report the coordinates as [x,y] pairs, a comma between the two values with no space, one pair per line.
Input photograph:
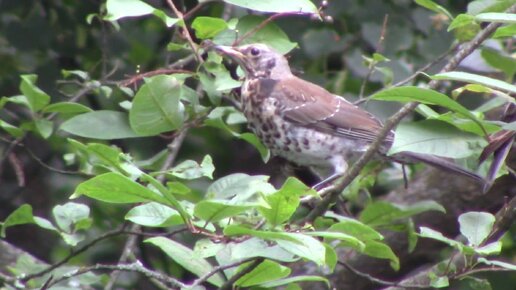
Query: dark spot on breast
[305,141]
[288,141]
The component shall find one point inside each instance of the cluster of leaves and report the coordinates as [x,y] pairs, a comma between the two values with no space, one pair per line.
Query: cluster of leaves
[239,219]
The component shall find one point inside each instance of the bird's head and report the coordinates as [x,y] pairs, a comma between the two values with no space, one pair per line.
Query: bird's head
[257,60]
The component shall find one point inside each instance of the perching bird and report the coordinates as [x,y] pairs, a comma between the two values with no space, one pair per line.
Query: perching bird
[304,123]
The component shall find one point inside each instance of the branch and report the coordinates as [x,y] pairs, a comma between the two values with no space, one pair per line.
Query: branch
[219,269]
[186,33]
[248,269]
[353,172]
[133,267]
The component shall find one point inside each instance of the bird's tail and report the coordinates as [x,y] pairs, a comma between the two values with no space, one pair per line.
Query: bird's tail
[441,163]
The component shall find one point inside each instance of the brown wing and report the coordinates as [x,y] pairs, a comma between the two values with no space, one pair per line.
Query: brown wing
[312,106]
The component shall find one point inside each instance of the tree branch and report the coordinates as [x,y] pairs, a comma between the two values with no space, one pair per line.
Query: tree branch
[353,172]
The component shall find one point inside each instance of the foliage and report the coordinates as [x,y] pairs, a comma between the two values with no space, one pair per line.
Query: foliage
[202,222]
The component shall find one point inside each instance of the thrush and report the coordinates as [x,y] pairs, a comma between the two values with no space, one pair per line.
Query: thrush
[306,124]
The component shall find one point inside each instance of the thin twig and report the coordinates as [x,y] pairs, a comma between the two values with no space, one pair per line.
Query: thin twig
[133,267]
[138,77]
[73,254]
[372,64]
[377,280]
[248,269]
[264,23]
[186,33]
[215,270]
[353,172]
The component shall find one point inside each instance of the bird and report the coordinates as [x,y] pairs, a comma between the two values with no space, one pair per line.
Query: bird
[306,124]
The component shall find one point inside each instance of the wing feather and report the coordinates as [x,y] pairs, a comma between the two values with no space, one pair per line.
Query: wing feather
[309,105]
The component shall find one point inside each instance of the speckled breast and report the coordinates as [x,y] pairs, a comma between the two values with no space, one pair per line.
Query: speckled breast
[300,145]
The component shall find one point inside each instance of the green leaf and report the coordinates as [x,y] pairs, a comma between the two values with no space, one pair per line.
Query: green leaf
[382,251]
[12,130]
[505,31]
[37,99]
[297,6]
[208,27]
[66,108]
[190,169]
[425,96]
[116,188]
[22,215]
[476,79]
[118,9]
[509,18]
[355,229]
[240,186]
[44,127]
[382,213]
[500,264]
[506,64]
[255,141]
[431,5]
[510,126]
[296,243]
[260,248]
[425,232]
[436,138]
[270,35]
[187,258]
[295,279]
[115,125]
[490,249]
[283,203]
[153,214]
[215,120]
[348,240]
[266,271]
[69,214]
[461,20]
[476,226]
[215,210]
[156,107]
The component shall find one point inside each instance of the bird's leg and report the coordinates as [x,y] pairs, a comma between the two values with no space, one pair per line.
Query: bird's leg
[339,167]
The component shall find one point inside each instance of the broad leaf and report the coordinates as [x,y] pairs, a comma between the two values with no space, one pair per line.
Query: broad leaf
[37,99]
[294,6]
[215,210]
[153,214]
[476,79]
[118,9]
[476,226]
[296,243]
[208,27]
[283,203]
[425,96]
[266,271]
[382,213]
[436,138]
[157,107]
[113,124]
[69,214]
[116,188]
[22,215]
[270,35]
[187,258]
[190,169]
[509,18]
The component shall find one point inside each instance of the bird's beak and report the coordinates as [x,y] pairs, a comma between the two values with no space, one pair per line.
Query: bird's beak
[229,51]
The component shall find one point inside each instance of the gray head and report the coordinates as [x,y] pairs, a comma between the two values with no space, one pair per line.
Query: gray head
[257,60]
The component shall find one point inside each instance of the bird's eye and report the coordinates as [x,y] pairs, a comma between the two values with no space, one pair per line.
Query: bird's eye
[255,51]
